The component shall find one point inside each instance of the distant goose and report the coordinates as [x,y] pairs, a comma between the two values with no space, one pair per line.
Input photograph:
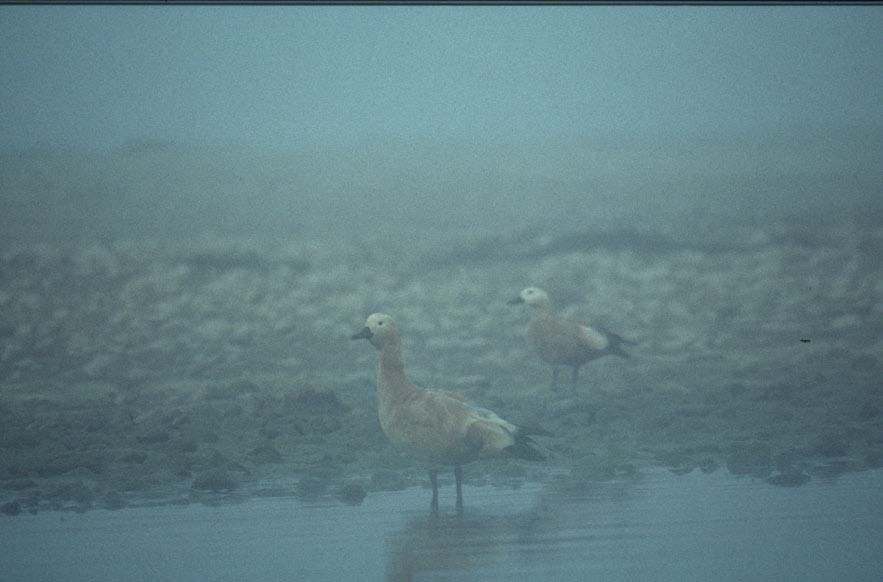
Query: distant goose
[560,341]
[437,426]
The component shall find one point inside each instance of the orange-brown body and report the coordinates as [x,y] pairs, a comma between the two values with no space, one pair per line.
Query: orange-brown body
[559,341]
[437,427]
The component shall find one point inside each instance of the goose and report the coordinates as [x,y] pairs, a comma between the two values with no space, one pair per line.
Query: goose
[560,341]
[436,426]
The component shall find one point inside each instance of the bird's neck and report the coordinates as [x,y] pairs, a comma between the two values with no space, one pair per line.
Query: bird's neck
[392,381]
[391,358]
[542,311]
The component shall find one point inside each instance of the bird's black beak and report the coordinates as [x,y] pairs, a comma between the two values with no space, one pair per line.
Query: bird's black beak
[515,300]
[364,334]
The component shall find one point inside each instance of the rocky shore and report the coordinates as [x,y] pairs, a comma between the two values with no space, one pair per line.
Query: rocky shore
[211,369]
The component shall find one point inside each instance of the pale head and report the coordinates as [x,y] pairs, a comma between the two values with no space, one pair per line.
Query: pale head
[533,297]
[379,329]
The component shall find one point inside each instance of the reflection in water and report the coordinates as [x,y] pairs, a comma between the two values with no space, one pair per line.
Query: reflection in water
[655,527]
[515,528]
[689,528]
[450,544]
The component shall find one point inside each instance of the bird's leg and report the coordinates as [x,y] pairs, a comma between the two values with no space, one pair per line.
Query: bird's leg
[458,479]
[575,376]
[433,478]
[554,377]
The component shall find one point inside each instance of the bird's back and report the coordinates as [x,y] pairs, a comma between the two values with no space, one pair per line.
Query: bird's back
[441,428]
[431,424]
[561,341]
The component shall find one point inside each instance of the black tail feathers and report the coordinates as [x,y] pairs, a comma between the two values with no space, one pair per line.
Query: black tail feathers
[524,447]
[616,343]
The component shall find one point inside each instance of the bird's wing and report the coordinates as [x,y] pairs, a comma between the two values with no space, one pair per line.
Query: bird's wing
[595,339]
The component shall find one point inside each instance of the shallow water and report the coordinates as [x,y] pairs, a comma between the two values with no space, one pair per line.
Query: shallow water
[658,527]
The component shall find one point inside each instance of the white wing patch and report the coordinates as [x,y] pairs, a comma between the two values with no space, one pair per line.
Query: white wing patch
[494,434]
[491,416]
[594,338]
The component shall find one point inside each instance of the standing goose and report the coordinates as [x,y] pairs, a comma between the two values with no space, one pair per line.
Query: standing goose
[437,426]
[560,341]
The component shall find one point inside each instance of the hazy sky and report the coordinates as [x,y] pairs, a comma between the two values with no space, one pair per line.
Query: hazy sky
[99,76]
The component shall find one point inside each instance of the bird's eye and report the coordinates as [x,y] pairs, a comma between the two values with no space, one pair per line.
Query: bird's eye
[379,323]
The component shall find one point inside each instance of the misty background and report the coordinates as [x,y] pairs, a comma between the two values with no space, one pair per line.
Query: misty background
[162,122]
[199,206]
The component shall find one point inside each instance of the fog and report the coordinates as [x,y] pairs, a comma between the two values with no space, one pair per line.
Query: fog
[201,205]
[157,122]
